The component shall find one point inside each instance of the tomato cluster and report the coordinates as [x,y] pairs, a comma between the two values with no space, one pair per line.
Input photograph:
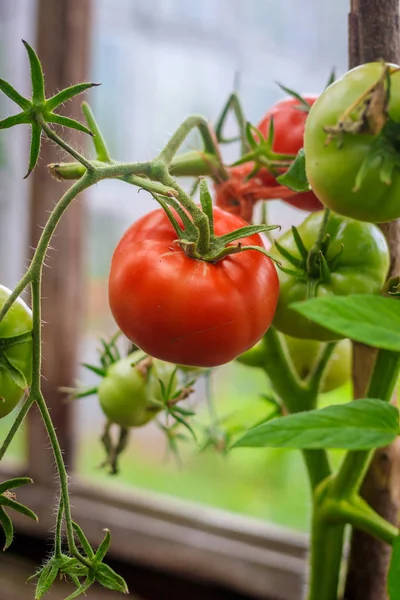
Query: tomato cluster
[243,189]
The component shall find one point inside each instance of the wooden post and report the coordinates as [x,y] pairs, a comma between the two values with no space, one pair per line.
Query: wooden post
[373,35]
[62,43]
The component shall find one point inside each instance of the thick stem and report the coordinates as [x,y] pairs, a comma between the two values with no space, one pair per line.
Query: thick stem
[296,397]
[326,557]
[381,386]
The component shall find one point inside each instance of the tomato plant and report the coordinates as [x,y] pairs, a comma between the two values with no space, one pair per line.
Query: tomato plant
[304,354]
[354,174]
[187,311]
[15,359]
[356,261]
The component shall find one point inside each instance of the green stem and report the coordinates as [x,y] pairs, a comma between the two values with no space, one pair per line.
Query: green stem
[210,145]
[327,536]
[17,424]
[51,134]
[314,380]
[381,386]
[326,558]
[63,476]
[296,396]
[358,513]
[19,288]
[102,152]
[58,530]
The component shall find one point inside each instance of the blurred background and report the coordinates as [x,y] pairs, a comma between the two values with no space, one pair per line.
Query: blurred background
[158,61]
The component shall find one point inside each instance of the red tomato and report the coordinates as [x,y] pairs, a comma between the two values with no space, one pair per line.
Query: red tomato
[188,311]
[289,124]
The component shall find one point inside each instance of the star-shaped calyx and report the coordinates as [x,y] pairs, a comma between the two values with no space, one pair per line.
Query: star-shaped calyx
[39,110]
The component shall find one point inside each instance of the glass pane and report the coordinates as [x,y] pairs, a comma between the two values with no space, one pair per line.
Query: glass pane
[159,62]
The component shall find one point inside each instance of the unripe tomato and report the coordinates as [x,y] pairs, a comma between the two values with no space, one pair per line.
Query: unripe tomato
[127,391]
[359,258]
[17,320]
[289,122]
[304,354]
[332,169]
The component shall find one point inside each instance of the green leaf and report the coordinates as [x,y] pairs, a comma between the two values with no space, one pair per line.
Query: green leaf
[393,583]
[67,94]
[295,177]
[36,138]
[358,425]
[108,578]
[7,526]
[371,320]
[36,74]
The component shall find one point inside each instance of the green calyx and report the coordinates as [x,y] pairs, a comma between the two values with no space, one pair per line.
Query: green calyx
[314,267]
[7,365]
[39,110]
[8,500]
[197,238]
[261,152]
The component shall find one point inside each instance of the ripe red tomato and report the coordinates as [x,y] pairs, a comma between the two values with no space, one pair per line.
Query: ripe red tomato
[188,311]
[289,123]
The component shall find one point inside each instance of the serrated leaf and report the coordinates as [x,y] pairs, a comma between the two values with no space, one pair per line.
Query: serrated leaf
[108,578]
[393,582]
[371,320]
[359,425]
[7,526]
[295,177]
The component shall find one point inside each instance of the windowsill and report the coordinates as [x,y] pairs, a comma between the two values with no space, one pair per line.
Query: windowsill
[202,543]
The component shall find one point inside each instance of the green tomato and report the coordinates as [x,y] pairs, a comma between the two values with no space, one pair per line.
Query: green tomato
[129,394]
[332,169]
[361,268]
[303,354]
[17,320]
